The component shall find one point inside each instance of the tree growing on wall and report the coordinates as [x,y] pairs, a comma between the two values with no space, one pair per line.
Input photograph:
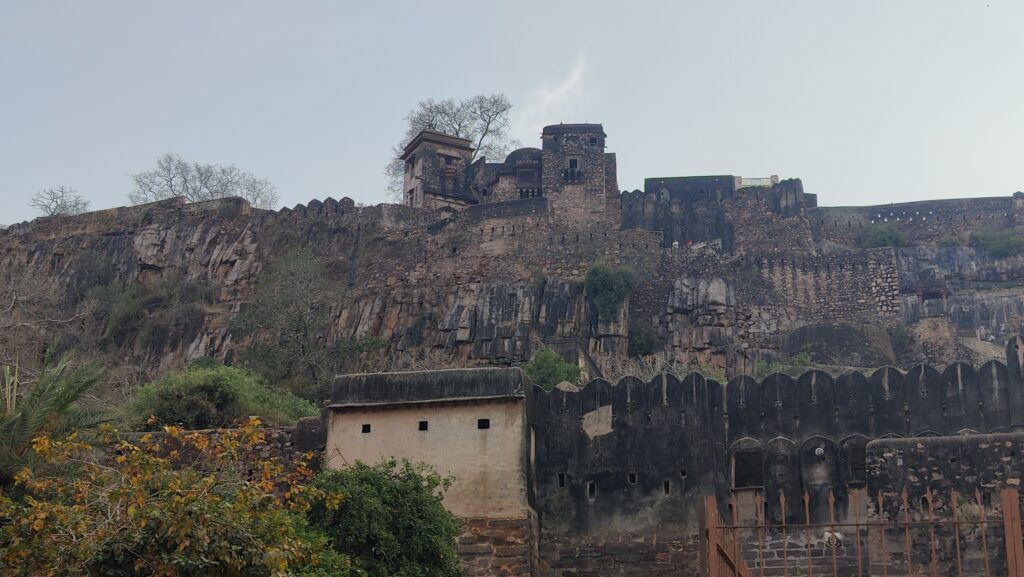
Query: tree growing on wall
[174,177]
[59,201]
[482,119]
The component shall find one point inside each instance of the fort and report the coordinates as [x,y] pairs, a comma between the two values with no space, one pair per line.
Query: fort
[484,263]
[610,478]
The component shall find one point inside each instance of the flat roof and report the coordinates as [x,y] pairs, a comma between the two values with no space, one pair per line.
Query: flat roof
[439,138]
[453,385]
[563,128]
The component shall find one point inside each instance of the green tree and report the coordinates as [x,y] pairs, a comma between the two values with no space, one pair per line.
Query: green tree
[547,368]
[45,406]
[205,397]
[390,520]
[608,287]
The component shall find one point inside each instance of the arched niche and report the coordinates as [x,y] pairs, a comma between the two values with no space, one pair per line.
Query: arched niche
[782,468]
[743,397]
[819,474]
[853,456]
[816,403]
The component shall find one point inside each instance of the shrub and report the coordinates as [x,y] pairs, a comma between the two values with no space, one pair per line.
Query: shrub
[127,511]
[880,235]
[547,368]
[999,243]
[390,520]
[608,287]
[203,398]
[644,340]
[950,240]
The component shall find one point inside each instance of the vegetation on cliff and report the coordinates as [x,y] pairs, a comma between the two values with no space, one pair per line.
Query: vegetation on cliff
[607,287]
[547,368]
[214,397]
[999,243]
[882,235]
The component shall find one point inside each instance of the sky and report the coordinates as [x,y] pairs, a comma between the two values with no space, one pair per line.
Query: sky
[869,102]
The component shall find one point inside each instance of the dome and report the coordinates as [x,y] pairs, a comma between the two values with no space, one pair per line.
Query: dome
[523,154]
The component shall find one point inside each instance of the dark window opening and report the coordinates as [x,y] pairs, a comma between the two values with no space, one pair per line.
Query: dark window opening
[631,477]
[527,176]
[561,480]
[682,473]
[483,423]
[858,464]
[366,428]
[593,140]
[574,164]
[591,490]
[424,425]
[666,486]
[748,469]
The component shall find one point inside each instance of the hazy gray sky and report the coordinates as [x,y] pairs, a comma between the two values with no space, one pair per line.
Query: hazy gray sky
[872,101]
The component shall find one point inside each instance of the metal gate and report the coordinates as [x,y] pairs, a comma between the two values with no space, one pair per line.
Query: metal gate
[947,535]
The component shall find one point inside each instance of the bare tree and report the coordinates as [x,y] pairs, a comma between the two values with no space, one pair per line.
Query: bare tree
[482,119]
[174,177]
[62,200]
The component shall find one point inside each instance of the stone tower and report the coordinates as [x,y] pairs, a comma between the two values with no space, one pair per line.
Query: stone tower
[435,171]
[578,175]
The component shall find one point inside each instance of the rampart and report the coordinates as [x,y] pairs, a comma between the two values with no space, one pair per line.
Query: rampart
[616,472]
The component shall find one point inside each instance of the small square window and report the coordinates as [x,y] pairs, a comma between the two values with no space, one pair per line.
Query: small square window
[483,423]
[424,425]
[632,478]
[593,140]
[366,428]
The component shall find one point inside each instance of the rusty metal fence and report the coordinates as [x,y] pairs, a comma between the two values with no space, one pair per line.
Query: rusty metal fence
[948,535]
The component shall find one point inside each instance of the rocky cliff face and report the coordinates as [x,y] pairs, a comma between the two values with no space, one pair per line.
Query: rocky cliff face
[491,287]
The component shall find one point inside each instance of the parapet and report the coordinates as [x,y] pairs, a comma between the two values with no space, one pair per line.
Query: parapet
[453,385]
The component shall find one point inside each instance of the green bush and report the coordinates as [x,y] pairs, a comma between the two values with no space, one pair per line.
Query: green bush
[793,366]
[204,398]
[950,240]
[608,287]
[999,243]
[644,340]
[880,235]
[390,520]
[547,368]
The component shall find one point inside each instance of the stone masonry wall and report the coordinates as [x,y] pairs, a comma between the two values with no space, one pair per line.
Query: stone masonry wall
[499,547]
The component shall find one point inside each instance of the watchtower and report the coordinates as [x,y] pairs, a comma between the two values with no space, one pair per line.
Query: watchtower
[435,171]
[579,176]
